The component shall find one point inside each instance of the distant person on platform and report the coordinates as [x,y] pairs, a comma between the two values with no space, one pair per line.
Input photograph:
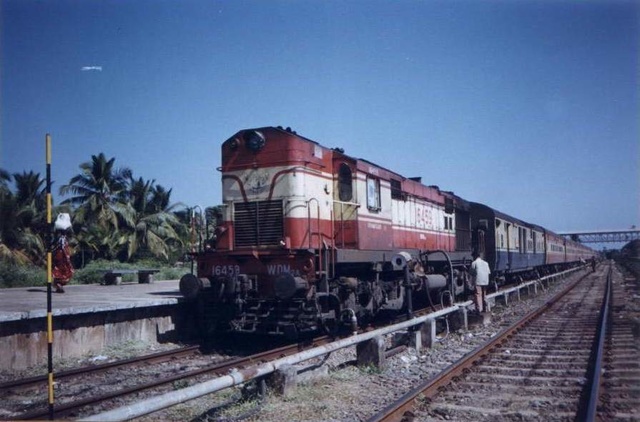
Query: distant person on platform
[593,264]
[480,276]
[62,268]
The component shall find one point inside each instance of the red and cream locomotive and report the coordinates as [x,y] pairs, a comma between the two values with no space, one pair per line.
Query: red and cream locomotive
[312,239]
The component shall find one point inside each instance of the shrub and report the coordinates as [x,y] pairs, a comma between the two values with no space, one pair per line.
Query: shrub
[13,275]
[171,273]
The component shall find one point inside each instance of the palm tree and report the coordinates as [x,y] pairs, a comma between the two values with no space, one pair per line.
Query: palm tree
[30,189]
[5,178]
[9,231]
[22,225]
[155,226]
[95,241]
[30,195]
[99,197]
[98,191]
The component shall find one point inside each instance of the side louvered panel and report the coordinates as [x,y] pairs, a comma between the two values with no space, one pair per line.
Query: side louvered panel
[270,222]
[245,224]
[258,223]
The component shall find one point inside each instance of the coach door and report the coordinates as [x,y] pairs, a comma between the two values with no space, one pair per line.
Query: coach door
[523,257]
[509,246]
[345,209]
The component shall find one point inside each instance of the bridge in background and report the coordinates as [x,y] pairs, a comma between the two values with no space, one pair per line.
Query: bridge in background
[604,236]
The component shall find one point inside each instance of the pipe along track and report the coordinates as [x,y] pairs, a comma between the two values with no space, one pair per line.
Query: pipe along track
[75,407]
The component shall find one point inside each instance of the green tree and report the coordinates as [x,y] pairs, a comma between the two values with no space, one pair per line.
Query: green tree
[22,218]
[154,228]
[99,195]
[5,178]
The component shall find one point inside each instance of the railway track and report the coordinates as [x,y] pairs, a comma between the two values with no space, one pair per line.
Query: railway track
[155,358]
[620,382]
[538,369]
[80,406]
[64,407]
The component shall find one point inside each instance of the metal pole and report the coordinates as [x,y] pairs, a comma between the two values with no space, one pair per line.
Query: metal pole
[49,279]
[198,226]
[193,240]
[407,286]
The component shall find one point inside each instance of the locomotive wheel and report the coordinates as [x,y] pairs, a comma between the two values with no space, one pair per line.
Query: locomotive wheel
[331,326]
[328,304]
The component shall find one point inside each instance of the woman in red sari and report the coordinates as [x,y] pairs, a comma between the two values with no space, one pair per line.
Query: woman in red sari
[62,268]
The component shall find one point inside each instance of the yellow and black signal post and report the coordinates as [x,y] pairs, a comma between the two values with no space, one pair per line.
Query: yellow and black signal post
[49,279]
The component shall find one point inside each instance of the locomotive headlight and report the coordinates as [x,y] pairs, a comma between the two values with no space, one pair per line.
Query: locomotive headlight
[254,140]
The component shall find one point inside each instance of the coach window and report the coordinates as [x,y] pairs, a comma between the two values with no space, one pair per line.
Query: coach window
[373,194]
[345,189]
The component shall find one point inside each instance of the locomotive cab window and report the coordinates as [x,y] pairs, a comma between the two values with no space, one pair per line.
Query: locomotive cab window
[396,189]
[448,205]
[373,194]
[345,189]
[448,223]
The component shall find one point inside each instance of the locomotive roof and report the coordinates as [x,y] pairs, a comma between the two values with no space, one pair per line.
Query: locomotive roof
[286,130]
[290,131]
[382,168]
[460,203]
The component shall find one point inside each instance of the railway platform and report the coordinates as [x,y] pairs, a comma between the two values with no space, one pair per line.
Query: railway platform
[87,318]
[31,302]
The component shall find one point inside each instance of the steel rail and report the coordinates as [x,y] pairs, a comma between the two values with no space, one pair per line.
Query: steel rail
[240,376]
[24,383]
[396,410]
[594,396]
[216,369]
[225,366]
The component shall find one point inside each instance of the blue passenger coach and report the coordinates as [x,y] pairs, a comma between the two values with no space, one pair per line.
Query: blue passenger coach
[512,247]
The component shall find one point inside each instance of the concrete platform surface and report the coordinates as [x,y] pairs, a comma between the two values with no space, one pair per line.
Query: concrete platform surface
[31,302]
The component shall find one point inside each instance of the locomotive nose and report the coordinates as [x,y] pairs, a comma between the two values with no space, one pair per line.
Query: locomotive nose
[287,286]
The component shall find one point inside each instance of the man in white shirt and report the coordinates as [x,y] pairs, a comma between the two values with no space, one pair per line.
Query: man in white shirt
[480,275]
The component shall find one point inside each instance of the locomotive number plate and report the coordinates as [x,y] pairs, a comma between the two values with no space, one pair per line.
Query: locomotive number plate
[228,270]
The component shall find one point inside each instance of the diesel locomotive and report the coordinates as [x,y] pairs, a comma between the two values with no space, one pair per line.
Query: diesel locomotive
[313,239]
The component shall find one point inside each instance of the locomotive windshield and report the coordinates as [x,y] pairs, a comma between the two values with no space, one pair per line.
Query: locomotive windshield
[345,189]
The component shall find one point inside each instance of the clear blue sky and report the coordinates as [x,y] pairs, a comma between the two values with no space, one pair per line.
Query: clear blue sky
[531,107]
